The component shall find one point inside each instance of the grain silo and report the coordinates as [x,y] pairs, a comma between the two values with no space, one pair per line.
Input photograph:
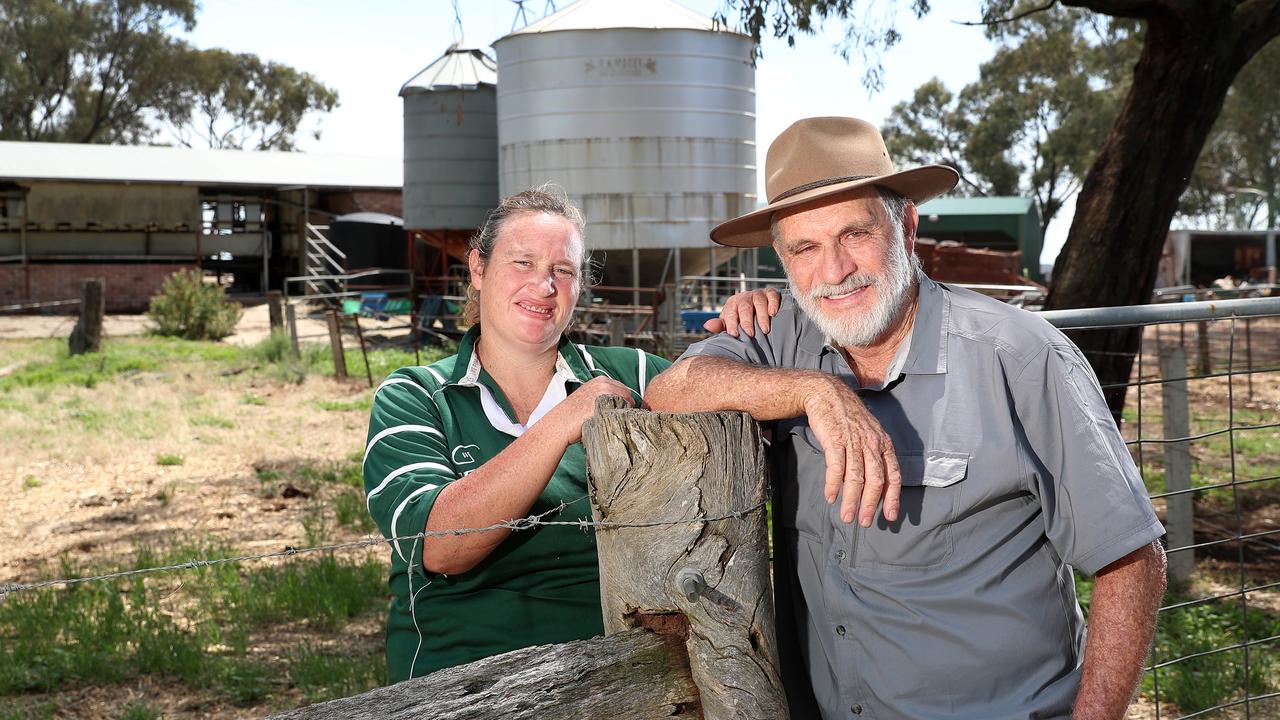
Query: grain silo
[450,155]
[645,113]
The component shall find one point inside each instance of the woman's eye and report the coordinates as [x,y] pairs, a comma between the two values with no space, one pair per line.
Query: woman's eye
[564,272]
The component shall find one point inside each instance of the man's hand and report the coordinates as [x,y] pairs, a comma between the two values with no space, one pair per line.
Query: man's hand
[745,310]
[859,454]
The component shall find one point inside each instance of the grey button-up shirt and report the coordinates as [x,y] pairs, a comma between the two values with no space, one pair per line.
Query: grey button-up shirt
[1013,473]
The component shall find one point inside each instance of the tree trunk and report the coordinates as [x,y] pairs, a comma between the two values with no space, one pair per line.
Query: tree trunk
[702,579]
[1191,54]
[628,676]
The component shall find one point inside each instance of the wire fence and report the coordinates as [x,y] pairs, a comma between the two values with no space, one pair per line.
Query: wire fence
[1202,420]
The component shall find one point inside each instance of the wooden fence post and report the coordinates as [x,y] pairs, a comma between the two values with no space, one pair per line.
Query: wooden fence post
[1177,461]
[292,315]
[702,579]
[335,344]
[275,311]
[86,336]
[1205,362]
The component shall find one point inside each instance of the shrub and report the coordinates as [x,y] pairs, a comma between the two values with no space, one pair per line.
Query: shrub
[189,308]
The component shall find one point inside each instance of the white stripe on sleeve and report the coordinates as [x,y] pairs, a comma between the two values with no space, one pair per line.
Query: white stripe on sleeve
[643,369]
[395,516]
[402,470]
[399,429]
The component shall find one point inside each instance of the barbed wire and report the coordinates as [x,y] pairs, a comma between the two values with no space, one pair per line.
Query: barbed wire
[515,525]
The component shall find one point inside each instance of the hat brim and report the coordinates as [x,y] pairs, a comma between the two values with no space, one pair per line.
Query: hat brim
[919,185]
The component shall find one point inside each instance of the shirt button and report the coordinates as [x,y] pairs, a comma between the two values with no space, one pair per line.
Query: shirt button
[857,709]
[839,554]
[840,630]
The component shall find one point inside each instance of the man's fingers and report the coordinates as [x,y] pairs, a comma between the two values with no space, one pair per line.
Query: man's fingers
[760,303]
[714,325]
[775,301]
[729,314]
[875,485]
[893,478]
[835,474]
[854,479]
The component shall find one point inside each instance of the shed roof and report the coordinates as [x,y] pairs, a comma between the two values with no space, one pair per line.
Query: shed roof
[977,206]
[613,14]
[187,166]
[457,69]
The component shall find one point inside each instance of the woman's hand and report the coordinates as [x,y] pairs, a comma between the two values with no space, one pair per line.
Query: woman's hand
[568,416]
[746,309]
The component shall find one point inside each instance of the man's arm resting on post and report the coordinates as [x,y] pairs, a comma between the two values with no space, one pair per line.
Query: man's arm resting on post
[859,455]
[1122,620]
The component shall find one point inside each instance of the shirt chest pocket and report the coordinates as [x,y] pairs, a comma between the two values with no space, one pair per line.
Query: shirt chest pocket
[921,536]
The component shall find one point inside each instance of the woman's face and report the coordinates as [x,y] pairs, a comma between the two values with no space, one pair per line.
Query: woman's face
[530,282]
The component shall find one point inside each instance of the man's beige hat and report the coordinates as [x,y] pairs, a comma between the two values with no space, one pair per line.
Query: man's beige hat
[819,157]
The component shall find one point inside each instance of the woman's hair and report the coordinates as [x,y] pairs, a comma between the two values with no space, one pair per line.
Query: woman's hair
[548,198]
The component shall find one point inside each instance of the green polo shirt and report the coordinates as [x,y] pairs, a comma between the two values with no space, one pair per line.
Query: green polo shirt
[432,425]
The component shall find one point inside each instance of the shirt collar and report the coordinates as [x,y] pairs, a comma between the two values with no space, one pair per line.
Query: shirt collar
[928,350]
[466,370]
[925,349]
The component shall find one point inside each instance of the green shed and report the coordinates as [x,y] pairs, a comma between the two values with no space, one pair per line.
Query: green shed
[998,223]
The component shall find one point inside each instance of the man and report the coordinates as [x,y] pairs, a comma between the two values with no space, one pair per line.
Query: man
[982,428]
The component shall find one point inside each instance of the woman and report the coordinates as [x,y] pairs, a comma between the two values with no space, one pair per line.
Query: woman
[492,434]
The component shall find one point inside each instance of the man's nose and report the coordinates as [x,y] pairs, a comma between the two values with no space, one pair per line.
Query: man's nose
[837,265]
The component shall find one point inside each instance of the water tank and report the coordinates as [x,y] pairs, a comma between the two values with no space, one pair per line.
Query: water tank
[643,111]
[450,142]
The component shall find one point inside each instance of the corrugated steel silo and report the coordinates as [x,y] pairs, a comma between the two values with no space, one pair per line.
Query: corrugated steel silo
[450,142]
[643,111]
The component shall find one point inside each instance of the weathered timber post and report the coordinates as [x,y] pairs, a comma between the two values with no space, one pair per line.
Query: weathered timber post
[86,336]
[292,315]
[1179,513]
[703,580]
[275,310]
[335,345]
[629,676]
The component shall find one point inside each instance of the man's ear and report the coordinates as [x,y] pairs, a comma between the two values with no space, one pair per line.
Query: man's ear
[475,264]
[910,224]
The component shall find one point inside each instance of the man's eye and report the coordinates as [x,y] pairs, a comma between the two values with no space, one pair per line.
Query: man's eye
[523,263]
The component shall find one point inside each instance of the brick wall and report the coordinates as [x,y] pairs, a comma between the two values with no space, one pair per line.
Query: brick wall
[129,286]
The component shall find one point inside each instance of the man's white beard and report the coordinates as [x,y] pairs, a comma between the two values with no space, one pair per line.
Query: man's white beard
[859,329]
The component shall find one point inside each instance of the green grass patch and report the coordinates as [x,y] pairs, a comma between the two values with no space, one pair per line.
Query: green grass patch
[29,482]
[340,473]
[211,421]
[51,365]
[350,511]
[363,404]
[139,711]
[169,459]
[251,399]
[194,627]
[322,675]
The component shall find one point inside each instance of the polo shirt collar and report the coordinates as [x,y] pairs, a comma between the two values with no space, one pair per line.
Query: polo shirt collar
[466,370]
[928,351]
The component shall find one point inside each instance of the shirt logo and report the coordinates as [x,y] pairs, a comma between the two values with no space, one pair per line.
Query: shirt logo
[462,454]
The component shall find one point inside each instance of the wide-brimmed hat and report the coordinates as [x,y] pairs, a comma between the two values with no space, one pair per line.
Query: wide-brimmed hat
[819,157]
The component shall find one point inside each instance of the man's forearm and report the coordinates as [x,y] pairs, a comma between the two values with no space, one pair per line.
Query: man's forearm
[708,384]
[1122,620]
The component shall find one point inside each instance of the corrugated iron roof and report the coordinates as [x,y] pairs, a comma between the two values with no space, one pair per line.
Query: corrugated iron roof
[186,166]
[457,69]
[976,206]
[611,14]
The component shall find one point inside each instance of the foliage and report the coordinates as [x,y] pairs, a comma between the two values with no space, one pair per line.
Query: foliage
[1032,121]
[112,72]
[1237,179]
[189,308]
[324,675]
[169,459]
[49,364]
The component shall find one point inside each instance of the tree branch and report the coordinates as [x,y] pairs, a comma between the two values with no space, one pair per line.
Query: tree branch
[1122,8]
[1011,18]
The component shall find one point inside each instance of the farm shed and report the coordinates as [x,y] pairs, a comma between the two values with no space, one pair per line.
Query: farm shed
[994,223]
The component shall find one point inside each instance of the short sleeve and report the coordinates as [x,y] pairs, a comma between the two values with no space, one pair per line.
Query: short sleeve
[1096,509]
[406,462]
[756,350]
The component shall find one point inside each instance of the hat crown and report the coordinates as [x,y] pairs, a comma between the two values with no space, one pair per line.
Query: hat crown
[820,151]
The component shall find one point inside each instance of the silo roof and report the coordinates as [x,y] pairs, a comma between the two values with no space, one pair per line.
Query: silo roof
[613,14]
[457,69]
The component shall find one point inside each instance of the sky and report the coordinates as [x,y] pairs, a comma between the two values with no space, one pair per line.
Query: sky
[367,50]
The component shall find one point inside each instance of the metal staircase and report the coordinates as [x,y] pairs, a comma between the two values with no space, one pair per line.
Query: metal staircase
[324,265]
